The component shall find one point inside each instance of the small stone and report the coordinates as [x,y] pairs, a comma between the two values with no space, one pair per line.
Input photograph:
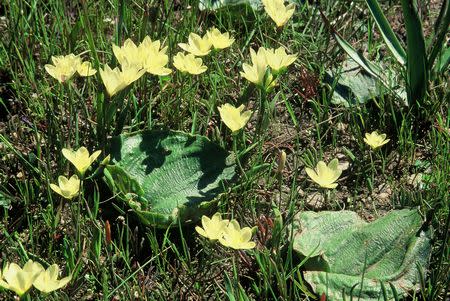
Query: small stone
[315,200]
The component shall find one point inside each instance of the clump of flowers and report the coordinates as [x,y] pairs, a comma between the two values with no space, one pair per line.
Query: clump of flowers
[148,56]
[234,118]
[279,12]
[228,233]
[20,280]
[65,66]
[267,63]
[325,175]
[375,140]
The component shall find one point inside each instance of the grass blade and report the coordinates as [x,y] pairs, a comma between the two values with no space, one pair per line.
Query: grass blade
[386,31]
[417,67]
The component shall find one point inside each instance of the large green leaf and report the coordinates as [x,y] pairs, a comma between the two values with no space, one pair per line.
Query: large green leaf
[344,251]
[166,176]
[352,85]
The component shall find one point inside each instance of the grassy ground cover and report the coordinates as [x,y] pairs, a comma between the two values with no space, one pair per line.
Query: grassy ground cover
[98,240]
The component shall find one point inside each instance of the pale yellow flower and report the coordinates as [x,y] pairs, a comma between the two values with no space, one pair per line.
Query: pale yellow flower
[375,140]
[219,40]
[279,13]
[129,54]
[86,69]
[20,280]
[147,55]
[115,80]
[235,237]
[259,57]
[199,46]
[80,158]
[212,227]
[258,72]
[65,66]
[189,63]
[234,118]
[67,188]
[278,60]
[47,281]
[325,176]
[156,57]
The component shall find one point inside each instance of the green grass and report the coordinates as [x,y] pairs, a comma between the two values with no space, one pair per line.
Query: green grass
[39,116]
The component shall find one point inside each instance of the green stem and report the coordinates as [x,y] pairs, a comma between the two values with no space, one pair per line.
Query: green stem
[235,138]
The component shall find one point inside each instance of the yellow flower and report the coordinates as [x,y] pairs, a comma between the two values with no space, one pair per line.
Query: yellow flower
[67,188]
[147,55]
[375,140]
[129,54]
[86,69]
[219,40]
[197,45]
[212,227]
[279,13]
[189,63]
[256,73]
[116,80]
[233,117]
[65,66]
[235,237]
[47,281]
[324,175]
[19,280]
[80,158]
[278,60]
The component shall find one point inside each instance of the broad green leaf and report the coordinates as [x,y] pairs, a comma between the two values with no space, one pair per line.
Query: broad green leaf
[352,85]
[417,66]
[346,251]
[166,176]
[386,31]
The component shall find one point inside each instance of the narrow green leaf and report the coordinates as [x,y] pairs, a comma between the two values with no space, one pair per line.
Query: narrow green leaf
[444,61]
[417,67]
[386,31]
[370,67]
[441,30]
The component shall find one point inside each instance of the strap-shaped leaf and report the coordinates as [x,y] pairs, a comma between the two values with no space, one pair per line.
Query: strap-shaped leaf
[386,31]
[441,30]
[417,66]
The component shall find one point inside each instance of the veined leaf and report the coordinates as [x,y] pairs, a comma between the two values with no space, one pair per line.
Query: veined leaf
[386,31]
[349,257]
[168,176]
